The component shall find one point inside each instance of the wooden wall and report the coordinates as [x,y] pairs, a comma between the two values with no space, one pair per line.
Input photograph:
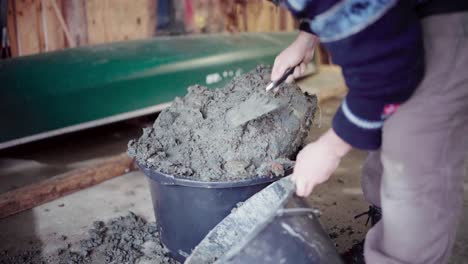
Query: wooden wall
[36,26]
[263,16]
[116,20]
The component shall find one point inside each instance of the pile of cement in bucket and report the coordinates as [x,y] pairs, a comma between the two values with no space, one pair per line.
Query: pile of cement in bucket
[192,138]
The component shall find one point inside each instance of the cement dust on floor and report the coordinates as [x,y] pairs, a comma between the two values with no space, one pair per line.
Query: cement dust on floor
[70,217]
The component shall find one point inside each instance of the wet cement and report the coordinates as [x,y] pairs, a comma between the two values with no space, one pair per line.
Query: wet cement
[126,239]
[193,138]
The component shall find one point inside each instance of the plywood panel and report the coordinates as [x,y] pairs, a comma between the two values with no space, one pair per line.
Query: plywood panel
[115,20]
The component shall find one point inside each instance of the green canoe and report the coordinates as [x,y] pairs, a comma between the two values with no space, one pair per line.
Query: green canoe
[64,91]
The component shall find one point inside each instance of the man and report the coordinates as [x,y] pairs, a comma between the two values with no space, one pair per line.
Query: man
[406,66]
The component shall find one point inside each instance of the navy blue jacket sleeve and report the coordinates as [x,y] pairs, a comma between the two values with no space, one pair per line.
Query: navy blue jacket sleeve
[378,44]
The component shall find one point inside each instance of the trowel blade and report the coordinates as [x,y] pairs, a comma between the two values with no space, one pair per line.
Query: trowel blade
[251,109]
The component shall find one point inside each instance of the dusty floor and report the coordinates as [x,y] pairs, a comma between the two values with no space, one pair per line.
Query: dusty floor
[45,226]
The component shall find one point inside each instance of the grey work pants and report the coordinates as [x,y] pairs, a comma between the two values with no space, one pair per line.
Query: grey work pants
[417,176]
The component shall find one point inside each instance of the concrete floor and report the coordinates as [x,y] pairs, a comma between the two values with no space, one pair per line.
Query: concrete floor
[43,227]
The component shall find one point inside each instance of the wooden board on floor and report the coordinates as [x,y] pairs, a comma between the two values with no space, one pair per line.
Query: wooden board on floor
[35,194]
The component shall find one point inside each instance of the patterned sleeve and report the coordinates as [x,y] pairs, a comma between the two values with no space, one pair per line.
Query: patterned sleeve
[378,44]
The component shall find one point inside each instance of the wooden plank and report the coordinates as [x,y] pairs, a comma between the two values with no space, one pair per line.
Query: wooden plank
[38,28]
[75,17]
[41,26]
[253,10]
[263,16]
[26,17]
[59,16]
[55,34]
[119,20]
[30,196]
[11,27]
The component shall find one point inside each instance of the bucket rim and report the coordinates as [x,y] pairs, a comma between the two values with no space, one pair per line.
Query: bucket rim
[167,179]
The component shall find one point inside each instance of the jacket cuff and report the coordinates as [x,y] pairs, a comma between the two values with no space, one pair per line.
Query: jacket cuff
[304,26]
[358,132]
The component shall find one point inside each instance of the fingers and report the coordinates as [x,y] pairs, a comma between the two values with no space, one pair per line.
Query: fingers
[309,55]
[290,79]
[309,189]
[304,184]
[303,68]
[296,74]
[293,177]
[299,71]
[304,188]
[279,67]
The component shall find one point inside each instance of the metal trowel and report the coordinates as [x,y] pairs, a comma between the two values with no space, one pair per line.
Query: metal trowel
[251,109]
[257,106]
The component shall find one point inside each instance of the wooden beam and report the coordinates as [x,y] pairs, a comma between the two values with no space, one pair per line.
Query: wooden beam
[41,26]
[75,16]
[54,35]
[71,41]
[32,195]
[26,20]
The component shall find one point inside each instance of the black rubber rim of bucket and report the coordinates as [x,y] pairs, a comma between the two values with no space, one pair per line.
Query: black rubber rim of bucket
[166,179]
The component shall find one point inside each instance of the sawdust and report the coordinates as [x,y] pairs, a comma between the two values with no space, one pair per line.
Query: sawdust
[193,139]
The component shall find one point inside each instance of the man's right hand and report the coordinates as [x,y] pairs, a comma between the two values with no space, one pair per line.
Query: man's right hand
[301,52]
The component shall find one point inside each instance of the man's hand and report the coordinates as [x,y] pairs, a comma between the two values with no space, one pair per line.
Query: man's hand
[317,161]
[300,51]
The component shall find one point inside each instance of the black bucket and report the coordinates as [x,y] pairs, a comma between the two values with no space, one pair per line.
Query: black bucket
[187,210]
[271,227]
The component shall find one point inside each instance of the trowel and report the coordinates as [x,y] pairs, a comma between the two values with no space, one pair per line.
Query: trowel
[256,106]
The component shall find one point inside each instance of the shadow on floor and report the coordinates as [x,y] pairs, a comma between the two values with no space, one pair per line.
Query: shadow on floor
[21,250]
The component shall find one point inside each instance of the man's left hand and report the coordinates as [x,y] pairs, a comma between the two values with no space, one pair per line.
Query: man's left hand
[317,161]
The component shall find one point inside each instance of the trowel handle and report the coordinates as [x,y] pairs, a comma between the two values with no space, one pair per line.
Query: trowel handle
[286,74]
[274,84]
